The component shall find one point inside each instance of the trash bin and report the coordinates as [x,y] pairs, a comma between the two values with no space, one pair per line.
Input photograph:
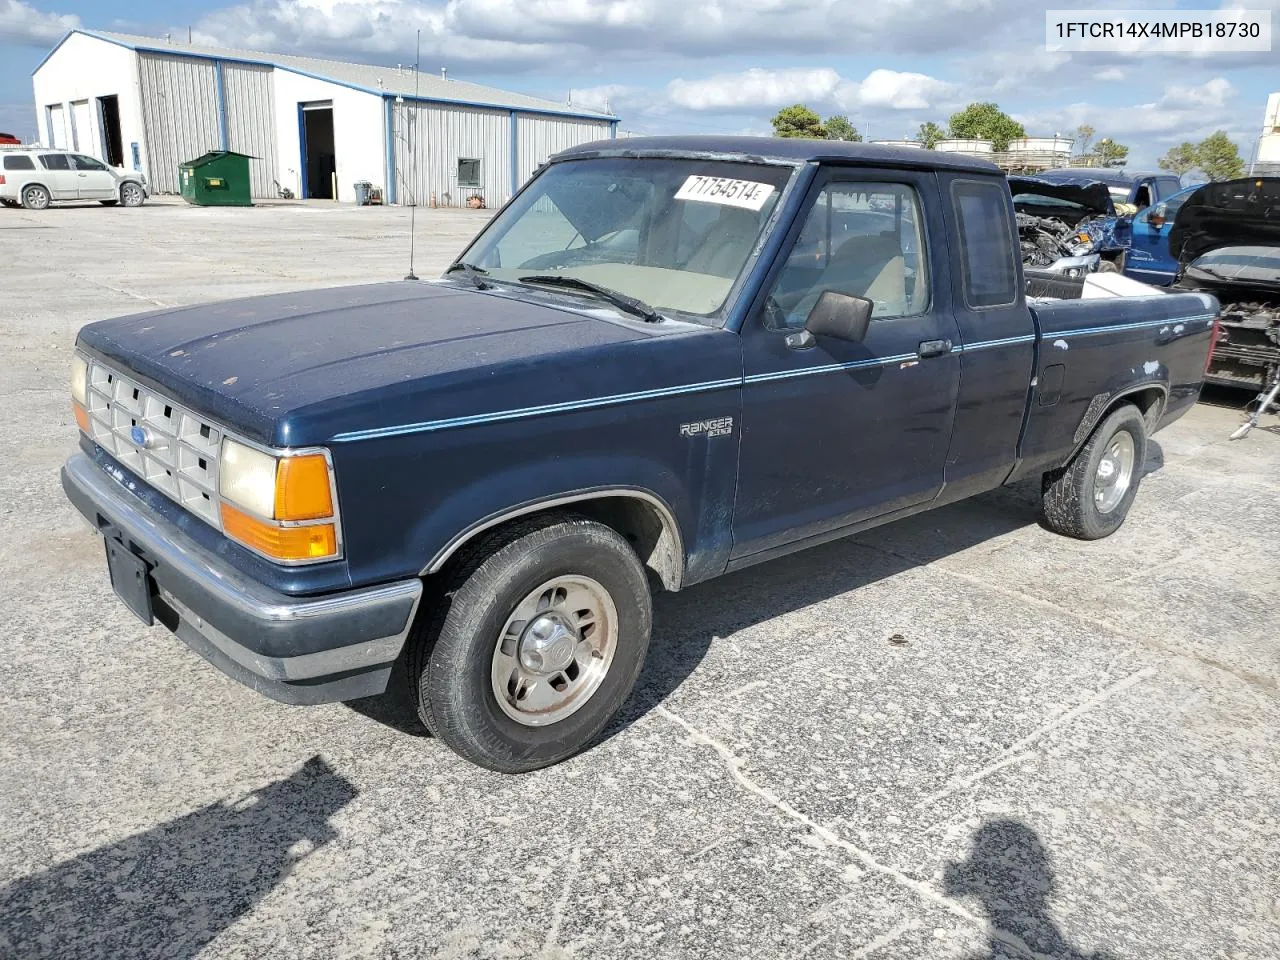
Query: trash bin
[220,178]
[364,193]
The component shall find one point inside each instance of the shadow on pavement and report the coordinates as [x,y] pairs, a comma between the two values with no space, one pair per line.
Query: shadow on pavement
[1010,872]
[686,623]
[170,890]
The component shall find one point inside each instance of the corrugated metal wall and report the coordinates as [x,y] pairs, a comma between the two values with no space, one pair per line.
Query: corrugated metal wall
[179,114]
[539,137]
[251,122]
[441,135]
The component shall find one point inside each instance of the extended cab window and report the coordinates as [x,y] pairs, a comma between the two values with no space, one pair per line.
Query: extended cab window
[863,239]
[54,161]
[986,243]
[18,163]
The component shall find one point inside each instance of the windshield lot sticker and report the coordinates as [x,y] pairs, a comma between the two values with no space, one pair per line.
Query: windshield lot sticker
[720,427]
[731,193]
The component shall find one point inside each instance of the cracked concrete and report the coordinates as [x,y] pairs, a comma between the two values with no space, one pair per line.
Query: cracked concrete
[957,736]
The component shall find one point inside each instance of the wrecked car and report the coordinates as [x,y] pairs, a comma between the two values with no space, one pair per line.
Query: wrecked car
[1226,239]
[1064,227]
[664,360]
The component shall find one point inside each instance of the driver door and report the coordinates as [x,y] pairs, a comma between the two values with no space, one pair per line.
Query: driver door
[95,181]
[838,432]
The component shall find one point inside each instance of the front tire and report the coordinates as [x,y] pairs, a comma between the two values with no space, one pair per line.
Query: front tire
[1089,498]
[540,643]
[132,195]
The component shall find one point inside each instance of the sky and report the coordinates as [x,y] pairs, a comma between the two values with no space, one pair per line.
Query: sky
[721,66]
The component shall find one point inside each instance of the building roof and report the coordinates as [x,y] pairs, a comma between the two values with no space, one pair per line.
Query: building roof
[370,78]
[790,150]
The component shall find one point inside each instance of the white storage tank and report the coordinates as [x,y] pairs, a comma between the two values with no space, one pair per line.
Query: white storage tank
[910,144]
[1054,146]
[972,147]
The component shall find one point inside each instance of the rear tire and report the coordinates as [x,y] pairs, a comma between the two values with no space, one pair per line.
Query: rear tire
[35,197]
[537,643]
[1089,498]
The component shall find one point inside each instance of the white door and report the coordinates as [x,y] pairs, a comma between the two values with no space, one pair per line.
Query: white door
[57,127]
[58,176]
[82,138]
[94,180]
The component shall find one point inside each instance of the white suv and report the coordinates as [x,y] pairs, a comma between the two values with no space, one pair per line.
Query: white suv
[34,178]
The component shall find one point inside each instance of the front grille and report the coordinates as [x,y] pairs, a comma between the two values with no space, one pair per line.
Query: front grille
[179,452]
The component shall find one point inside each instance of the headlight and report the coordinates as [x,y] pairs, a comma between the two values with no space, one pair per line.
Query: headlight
[79,379]
[80,390]
[278,505]
[247,477]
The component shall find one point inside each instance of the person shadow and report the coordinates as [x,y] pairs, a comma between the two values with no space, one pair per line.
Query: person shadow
[170,890]
[1009,871]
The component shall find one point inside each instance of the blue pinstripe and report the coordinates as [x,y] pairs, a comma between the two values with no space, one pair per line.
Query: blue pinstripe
[431,426]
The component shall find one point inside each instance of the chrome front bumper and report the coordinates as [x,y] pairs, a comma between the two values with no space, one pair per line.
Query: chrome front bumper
[295,649]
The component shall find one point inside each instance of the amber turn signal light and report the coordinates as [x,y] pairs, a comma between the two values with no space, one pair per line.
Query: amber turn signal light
[82,417]
[302,488]
[312,542]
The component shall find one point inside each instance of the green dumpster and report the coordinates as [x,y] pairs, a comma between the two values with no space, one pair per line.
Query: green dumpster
[220,178]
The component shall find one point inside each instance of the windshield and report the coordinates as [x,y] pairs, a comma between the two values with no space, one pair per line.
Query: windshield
[1040,200]
[1246,264]
[672,233]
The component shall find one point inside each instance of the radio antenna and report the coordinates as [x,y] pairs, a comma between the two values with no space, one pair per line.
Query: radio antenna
[413,157]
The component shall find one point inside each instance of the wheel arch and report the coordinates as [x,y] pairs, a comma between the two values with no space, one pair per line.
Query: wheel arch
[1150,398]
[641,517]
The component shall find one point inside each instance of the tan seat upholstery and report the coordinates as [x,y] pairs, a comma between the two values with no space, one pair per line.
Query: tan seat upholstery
[865,266]
[727,244]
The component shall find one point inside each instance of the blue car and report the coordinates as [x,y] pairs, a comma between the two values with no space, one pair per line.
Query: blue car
[1149,259]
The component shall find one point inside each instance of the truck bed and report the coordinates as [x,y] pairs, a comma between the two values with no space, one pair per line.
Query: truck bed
[1090,353]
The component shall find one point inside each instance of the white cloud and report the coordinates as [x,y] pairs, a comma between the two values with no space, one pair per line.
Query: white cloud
[757,89]
[1212,95]
[22,23]
[1110,75]
[897,91]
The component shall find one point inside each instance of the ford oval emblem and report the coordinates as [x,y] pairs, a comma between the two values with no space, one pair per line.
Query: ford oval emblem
[140,437]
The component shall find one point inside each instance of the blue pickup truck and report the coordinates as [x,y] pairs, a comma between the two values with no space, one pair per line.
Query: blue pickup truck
[663,360]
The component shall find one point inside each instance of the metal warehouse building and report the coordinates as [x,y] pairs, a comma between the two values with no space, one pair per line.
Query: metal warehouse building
[148,104]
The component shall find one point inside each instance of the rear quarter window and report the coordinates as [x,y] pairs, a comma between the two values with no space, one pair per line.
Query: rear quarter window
[19,163]
[986,243]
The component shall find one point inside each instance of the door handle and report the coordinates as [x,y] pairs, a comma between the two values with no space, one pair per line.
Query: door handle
[84,174]
[933,348]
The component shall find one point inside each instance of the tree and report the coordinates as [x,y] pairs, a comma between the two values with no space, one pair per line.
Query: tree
[930,133]
[1084,138]
[839,128]
[798,120]
[1185,156]
[1110,153]
[1219,157]
[986,121]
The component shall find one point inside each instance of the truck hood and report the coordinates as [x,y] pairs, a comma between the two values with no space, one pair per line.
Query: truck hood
[248,363]
[1093,195]
[1232,213]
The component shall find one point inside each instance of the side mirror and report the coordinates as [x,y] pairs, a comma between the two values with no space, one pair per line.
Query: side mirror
[840,315]
[1158,217]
